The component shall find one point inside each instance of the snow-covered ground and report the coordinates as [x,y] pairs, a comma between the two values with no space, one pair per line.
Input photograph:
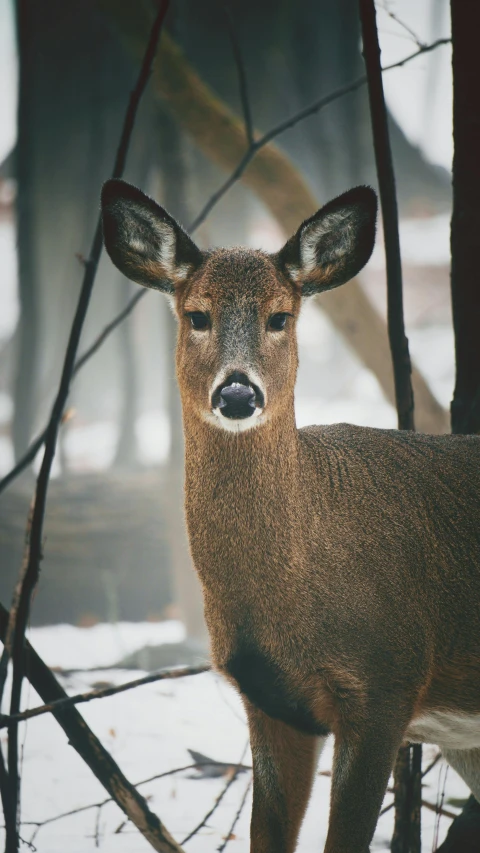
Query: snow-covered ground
[148,731]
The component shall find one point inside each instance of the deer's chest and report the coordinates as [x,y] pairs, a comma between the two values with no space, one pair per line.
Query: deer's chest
[267,686]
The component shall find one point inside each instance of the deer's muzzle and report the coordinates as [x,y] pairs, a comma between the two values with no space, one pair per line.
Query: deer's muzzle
[237,398]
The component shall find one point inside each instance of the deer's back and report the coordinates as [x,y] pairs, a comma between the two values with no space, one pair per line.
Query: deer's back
[400,515]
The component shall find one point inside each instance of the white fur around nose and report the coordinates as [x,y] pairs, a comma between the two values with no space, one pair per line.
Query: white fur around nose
[236,424]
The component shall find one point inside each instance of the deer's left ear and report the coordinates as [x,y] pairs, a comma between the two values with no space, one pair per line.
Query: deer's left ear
[334,244]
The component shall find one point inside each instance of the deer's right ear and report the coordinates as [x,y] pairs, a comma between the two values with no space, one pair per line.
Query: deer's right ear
[143,240]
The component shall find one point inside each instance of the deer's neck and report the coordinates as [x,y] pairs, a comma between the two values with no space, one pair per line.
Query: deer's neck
[241,503]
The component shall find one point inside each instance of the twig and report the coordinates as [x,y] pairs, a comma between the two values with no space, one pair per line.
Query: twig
[36,445]
[40,824]
[20,611]
[97,827]
[93,753]
[402,24]
[439,809]
[219,798]
[7,720]
[39,441]
[237,816]
[242,77]
[427,805]
[431,765]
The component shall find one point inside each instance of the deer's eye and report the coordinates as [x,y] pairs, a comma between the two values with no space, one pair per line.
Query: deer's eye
[277,322]
[199,320]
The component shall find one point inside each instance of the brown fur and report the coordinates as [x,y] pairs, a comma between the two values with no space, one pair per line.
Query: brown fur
[339,565]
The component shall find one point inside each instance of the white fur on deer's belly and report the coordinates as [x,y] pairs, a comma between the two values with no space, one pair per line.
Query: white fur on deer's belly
[448,729]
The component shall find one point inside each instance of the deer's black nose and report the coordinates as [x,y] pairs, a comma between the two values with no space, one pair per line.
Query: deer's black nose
[237,401]
[236,398]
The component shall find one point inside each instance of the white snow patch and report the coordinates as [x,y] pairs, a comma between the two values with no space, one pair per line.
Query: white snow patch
[69,647]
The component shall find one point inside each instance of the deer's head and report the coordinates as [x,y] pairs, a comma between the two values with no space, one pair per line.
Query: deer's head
[237,308]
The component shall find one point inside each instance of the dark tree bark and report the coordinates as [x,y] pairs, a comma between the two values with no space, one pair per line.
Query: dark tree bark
[386,183]
[464,834]
[466,216]
[25,382]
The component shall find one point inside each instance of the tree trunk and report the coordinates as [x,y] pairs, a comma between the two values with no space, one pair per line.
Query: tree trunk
[466,217]
[26,375]
[464,834]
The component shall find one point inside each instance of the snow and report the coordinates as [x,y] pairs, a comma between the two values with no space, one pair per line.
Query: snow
[148,731]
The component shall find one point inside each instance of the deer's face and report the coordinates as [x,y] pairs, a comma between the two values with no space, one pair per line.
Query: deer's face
[236,353]
[237,308]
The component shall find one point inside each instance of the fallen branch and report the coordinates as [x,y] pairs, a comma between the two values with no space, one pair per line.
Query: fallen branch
[93,753]
[7,720]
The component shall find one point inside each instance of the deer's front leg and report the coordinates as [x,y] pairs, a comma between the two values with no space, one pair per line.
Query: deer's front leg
[361,769]
[284,764]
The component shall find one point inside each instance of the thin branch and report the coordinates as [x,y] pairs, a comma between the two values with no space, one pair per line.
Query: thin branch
[39,441]
[219,799]
[440,810]
[107,330]
[101,803]
[431,765]
[30,454]
[97,827]
[242,77]
[20,611]
[7,720]
[402,24]
[229,834]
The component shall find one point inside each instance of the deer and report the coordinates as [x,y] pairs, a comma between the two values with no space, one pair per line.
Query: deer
[340,565]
